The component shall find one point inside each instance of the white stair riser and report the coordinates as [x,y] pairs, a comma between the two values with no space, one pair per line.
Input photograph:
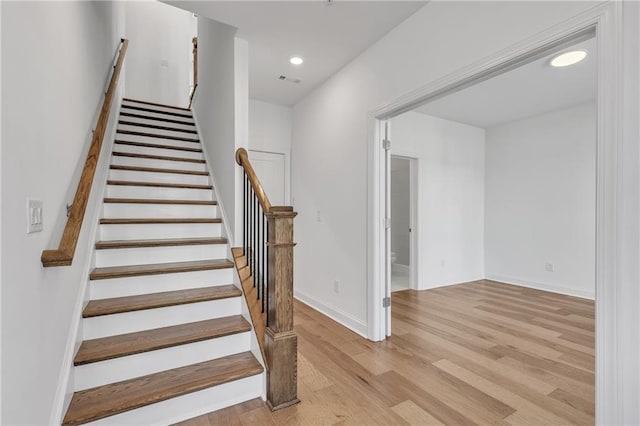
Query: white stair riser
[158,193]
[159,122]
[190,405]
[157,140]
[123,210]
[129,322]
[163,164]
[158,132]
[130,286]
[159,231]
[157,151]
[116,370]
[143,255]
[155,107]
[158,177]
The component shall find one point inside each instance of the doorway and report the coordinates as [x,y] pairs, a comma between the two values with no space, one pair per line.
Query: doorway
[271,167]
[403,213]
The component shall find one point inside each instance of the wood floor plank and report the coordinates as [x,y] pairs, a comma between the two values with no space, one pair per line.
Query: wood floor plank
[156,145]
[110,347]
[116,305]
[462,354]
[160,220]
[159,268]
[158,184]
[169,242]
[158,170]
[97,403]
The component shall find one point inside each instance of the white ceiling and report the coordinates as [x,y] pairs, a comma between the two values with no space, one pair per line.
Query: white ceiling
[529,90]
[326,36]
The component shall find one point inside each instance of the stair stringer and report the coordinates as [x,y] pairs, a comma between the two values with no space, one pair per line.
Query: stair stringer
[65,388]
[255,346]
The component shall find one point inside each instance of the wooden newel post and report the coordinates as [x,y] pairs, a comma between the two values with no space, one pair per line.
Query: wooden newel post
[281,340]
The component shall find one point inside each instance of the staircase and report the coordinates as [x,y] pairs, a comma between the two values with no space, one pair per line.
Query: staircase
[163,335]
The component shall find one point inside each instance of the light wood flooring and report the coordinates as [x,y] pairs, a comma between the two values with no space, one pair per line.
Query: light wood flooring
[476,353]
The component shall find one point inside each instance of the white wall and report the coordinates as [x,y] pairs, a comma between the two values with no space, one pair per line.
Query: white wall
[400,210]
[270,131]
[540,201]
[214,108]
[450,223]
[56,62]
[159,61]
[330,133]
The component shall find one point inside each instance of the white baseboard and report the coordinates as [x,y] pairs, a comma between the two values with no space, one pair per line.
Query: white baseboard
[545,287]
[344,318]
[400,269]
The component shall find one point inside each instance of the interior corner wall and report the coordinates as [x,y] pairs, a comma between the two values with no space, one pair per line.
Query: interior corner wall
[450,224]
[214,109]
[159,59]
[51,98]
[331,130]
[270,131]
[541,201]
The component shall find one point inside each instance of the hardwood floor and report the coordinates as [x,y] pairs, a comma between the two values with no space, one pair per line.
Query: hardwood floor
[476,353]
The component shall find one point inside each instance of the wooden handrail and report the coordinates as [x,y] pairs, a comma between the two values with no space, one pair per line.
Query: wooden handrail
[195,70]
[268,286]
[242,158]
[63,255]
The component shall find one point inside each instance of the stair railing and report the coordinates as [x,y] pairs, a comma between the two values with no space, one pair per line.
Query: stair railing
[194,41]
[265,266]
[63,255]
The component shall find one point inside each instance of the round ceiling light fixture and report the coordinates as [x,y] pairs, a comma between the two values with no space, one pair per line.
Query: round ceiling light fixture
[568,58]
[296,60]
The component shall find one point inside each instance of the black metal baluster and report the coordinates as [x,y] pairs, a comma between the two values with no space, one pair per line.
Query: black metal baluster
[264,262]
[255,241]
[244,214]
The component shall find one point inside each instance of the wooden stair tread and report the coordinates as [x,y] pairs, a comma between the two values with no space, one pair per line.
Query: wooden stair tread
[155,135]
[96,350]
[159,268]
[159,201]
[157,170]
[149,117]
[108,400]
[155,104]
[158,157]
[155,111]
[158,184]
[115,244]
[155,145]
[116,305]
[152,220]
[156,126]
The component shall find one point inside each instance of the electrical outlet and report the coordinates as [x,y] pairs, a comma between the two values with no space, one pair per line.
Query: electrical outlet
[34,215]
[549,267]
[336,286]
[318,216]
[164,63]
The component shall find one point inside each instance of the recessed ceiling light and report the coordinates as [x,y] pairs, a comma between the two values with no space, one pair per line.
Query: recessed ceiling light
[568,58]
[296,60]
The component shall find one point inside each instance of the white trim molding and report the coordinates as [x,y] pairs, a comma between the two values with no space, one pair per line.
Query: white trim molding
[616,25]
[339,316]
[591,295]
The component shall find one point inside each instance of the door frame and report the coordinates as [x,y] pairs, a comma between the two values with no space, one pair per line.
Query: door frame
[617,233]
[287,171]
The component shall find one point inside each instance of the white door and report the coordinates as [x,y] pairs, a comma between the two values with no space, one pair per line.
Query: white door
[270,168]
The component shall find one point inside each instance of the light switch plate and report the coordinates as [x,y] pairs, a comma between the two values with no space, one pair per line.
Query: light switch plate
[34,215]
